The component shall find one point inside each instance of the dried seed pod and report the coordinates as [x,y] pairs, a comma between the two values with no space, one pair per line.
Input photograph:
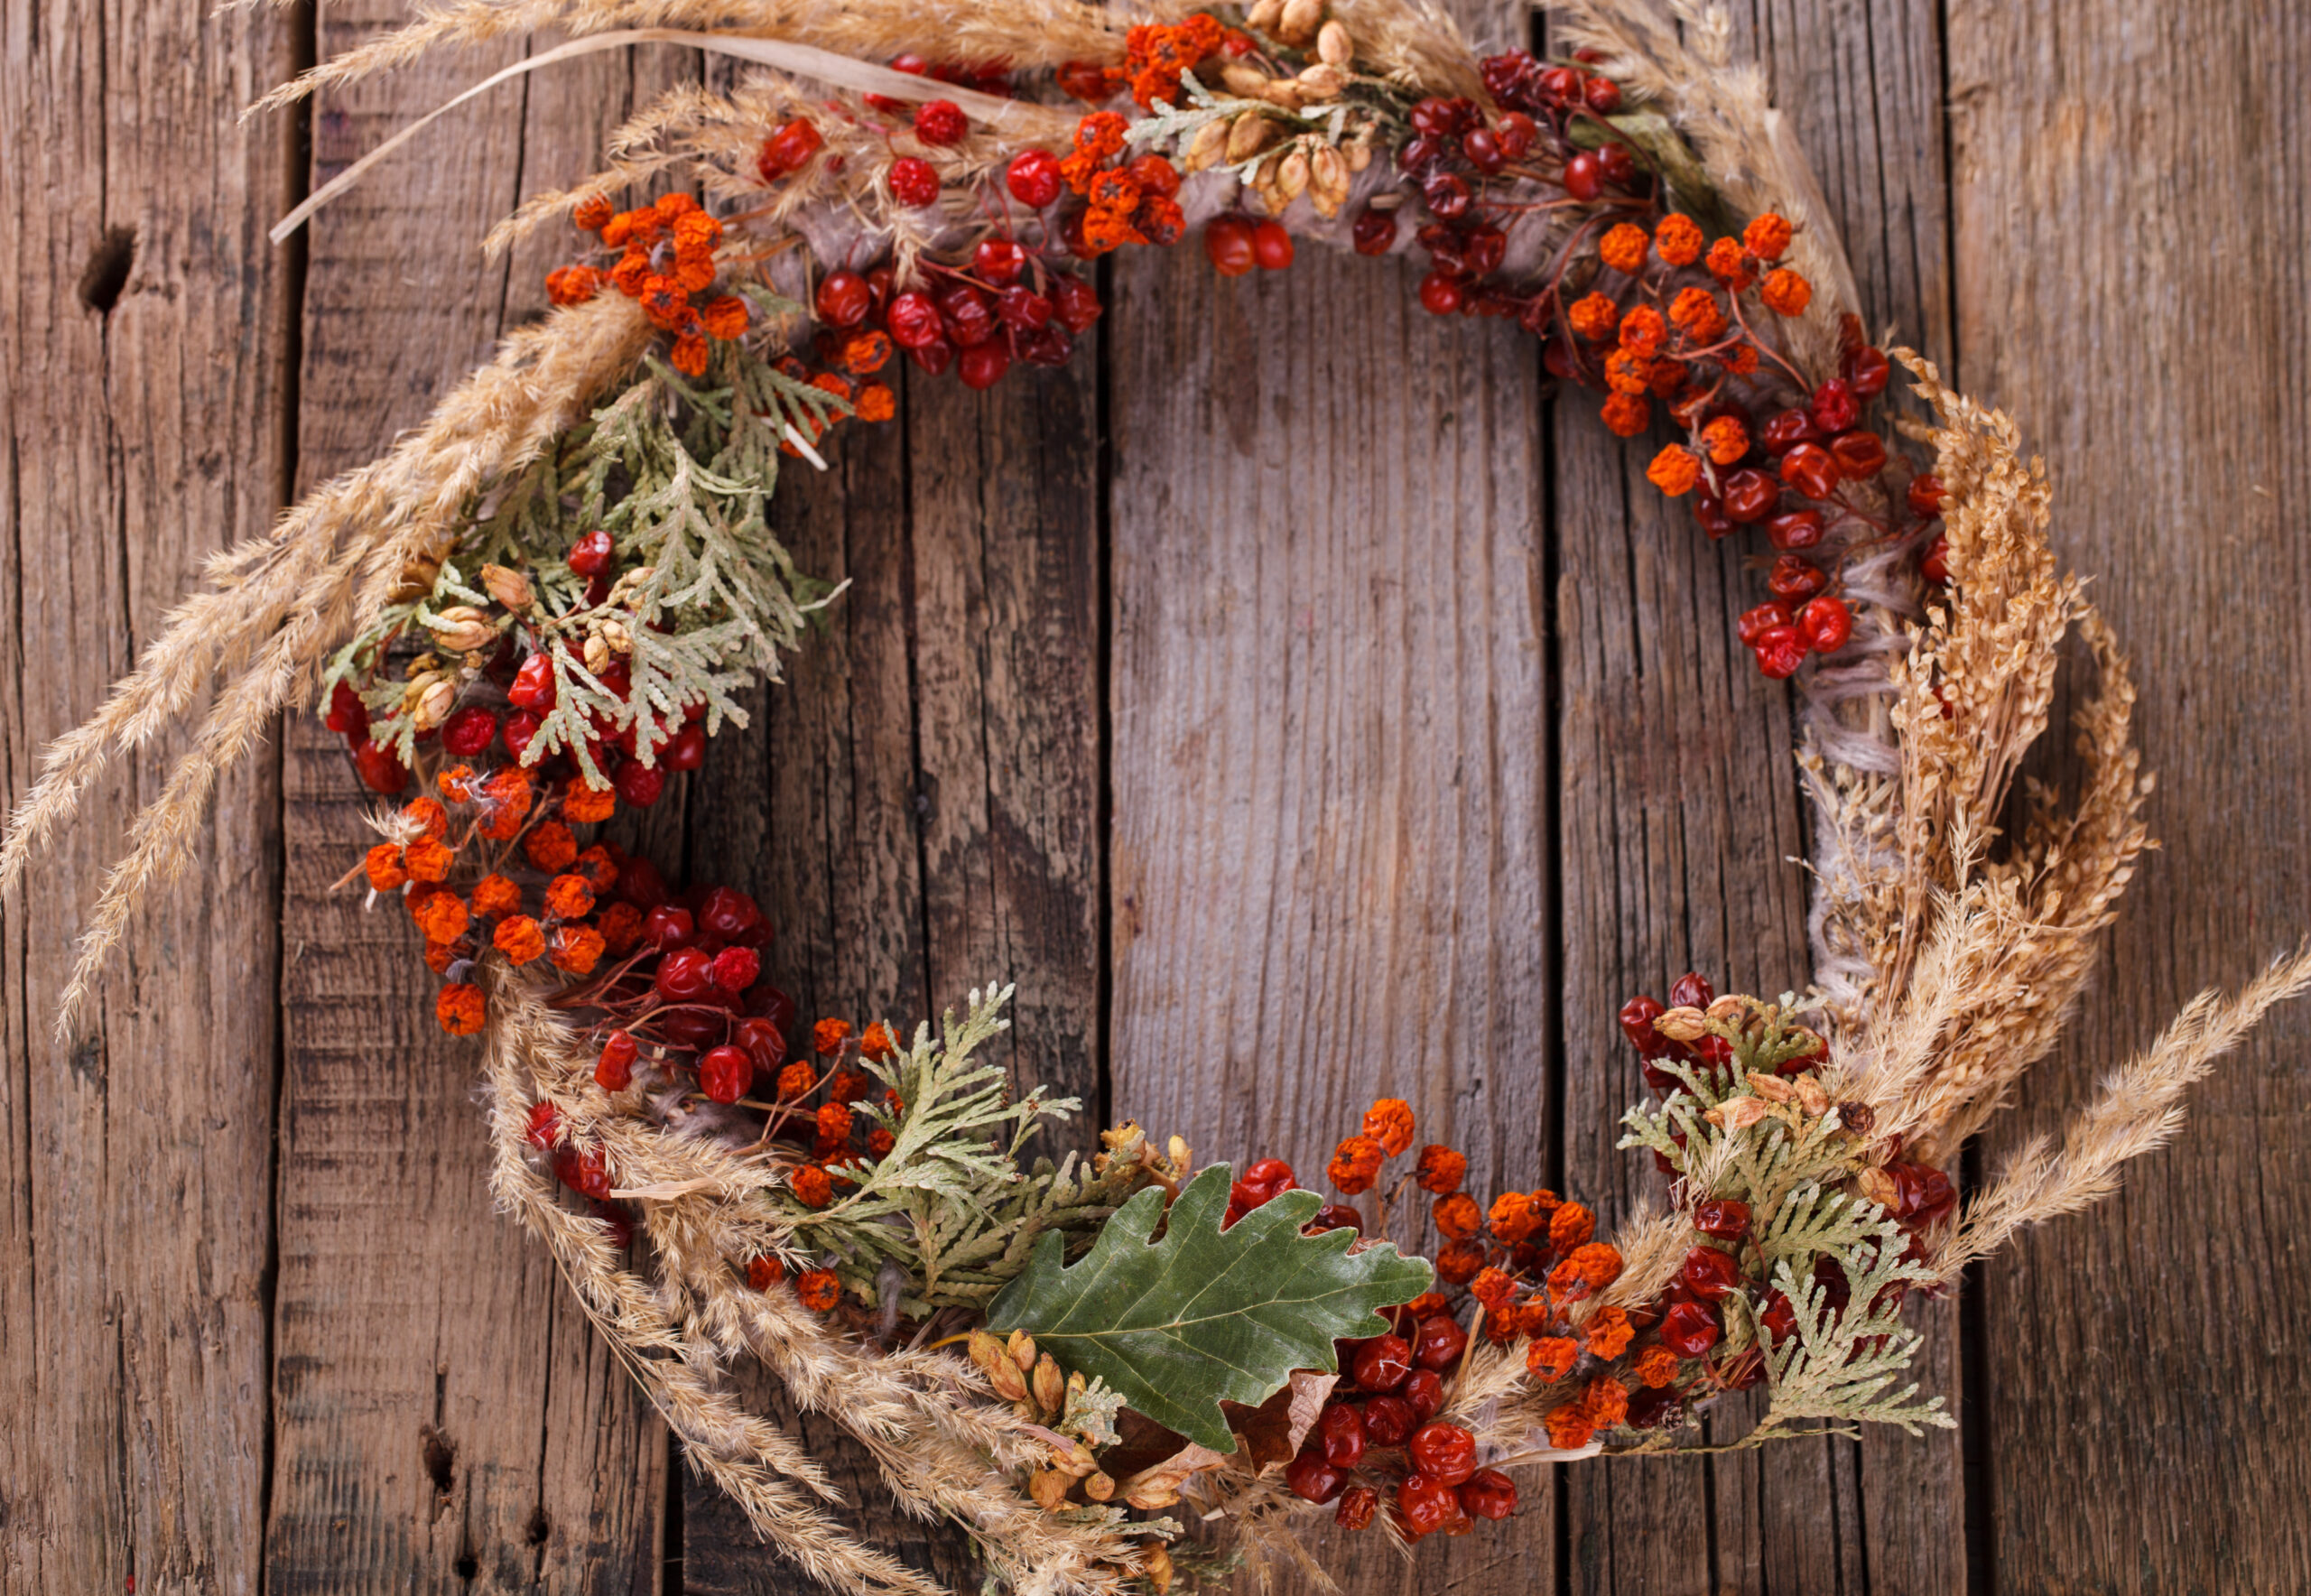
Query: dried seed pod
[1155,1567]
[1178,1151]
[462,627]
[1878,1186]
[1049,1487]
[1022,1347]
[1334,48]
[1291,176]
[1320,82]
[1727,1008]
[1283,94]
[1243,80]
[1076,1462]
[1209,142]
[1099,1486]
[509,588]
[1048,1384]
[1682,1024]
[618,635]
[1148,1495]
[995,1361]
[597,653]
[433,702]
[1261,17]
[1297,23]
[1247,135]
[1811,1097]
[1327,180]
[1358,153]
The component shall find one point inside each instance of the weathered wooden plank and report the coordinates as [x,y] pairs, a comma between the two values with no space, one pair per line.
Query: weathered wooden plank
[143,317]
[1331,875]
[2128,184]
[446,1421]
[917,809]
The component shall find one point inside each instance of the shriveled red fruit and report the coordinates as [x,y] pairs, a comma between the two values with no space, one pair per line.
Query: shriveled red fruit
[1867,371]
[1271,245]
[1927,495]
[1443,1453]
[589,556]
[1749,495]
[1374,231]
[1425,1506]
[734,969]
[1337,1216]
[1725,1218]
[1488,1493]
[1797,529]
[1034,177]
[684,975]
[1075,303]
[941,121]
[1616,165]
[913,320]
[1383,1362]
[1228,245]
[1441,293]
[1388,1421]
[1638,1013]
[1515,133]
[763,1040]
[614,1070]
[1308,1477]
[1709,1273]
[1811,470]
[545,1126]
[1357,1506]
[1826,623]
[1794,580]
[1780,650]
[1439,1341]
[843,299]
[726,911]
[914,182]
[668,927]
[1835,408]
[790,145]
[1424,1392]
[933,357]
[687,751]
[639,784]
[1935,563]
[583,1173]
[347,715]
[998,261]
[1780,1317]
[1339,1430]
[1584,176]
[533,687]
[1021,309]
[726,1073]
[1756,623]
[380,769]
[1859,455]
[1787,429]
[1692,990]
[1688,1329]
[982,366]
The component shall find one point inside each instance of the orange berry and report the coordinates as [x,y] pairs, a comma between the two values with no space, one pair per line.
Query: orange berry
[1570,1225]
[577,949]
[1513,1217]
[1355,1164]
[1656,1366]
[812,1186]
[1786,293]
[765,1270]
[1568,1426]
[1441,1169]
[795,1081]
[828,1037]
[385,867]
[572,897]
[440,915]
[1610,1333]
[1457,1216]
[1388,1121]
[519,939]
[1551,1358]
[1767,236]
[1606,1400]
[1626,415]
[495,894]
[1678,240]
[1623,248]
[551,846]
[459,1008]
[586,805]
[1594,316]
[819,1289]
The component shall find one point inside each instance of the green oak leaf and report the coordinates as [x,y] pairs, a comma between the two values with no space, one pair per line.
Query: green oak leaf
[1203,1315]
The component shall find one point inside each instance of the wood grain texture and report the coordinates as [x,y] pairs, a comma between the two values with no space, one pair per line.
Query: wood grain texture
[446,1421]
[2128,181]
[142,320]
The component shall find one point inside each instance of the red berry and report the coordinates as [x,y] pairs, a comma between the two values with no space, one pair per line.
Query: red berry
[1154,175]
[1447,196]
[1799,529]
[1339,1430]
[1926,496]
[1228,245]
[1786,431]
[983,364]
[1688,1329]
[1725,1218]
[1637,1018]
[1308,1477]
[1709,1273]
[764,1042]
[912,321]
[1756,623]
[521,727]
[941,121]
[1356,1508]
[1388,1421]
[347,714]
[533,686]
[684,975]
[614,1070]
[1859,455]
[1426,1505]
[687,751]
[1033,178]
[1811,470]
[638,784]
[1443,1453]
[1749,495]
[1692,990]
[1383,1362]
[1439,295]
[469,731]
[1603,95]
[998,261]
[589,556]
[1562,84]
[1617,165]
[915,182]
[667,927]
[1374,231]
[1835,409]
[1826,623]
[1483,151]
[583,1173]
[933,357]
[1272,1175]
[1337,1216]
[787,148]
[1439,1341]
[1709,514]
[1514,135]
[1075,303]
[1424,1392]
[380,769]
[1271,245]
[1780,650]
[545,1126]
[726,1073]
[1935,563]
[1867,371]
[1780,1317]
[967,314]
[734,969]
[1488,1493]
[726,912]
[1794,580]
[844,299]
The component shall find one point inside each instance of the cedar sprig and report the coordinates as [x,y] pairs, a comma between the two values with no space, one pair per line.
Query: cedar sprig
[1842,1366]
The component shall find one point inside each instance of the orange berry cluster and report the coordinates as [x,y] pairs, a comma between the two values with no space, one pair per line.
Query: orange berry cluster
[667,262]
[1133,203]
[1157,55]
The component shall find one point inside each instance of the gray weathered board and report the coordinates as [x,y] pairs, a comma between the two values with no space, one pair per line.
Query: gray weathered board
[1294,696]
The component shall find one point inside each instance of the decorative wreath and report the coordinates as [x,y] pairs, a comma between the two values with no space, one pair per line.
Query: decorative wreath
[533,609]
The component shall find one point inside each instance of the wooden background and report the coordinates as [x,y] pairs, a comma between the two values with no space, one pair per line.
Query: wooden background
[1292,698]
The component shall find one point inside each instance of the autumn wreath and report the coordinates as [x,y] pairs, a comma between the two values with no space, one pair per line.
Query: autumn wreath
[530,611]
